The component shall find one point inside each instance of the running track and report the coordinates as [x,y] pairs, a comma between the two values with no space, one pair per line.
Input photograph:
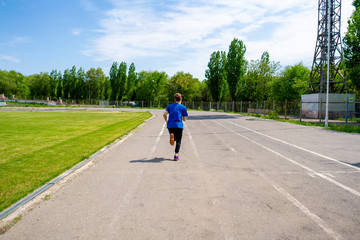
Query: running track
[238,177]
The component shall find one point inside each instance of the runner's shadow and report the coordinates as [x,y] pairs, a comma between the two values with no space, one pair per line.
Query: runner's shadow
[356,164]
[353,164]
[154,160]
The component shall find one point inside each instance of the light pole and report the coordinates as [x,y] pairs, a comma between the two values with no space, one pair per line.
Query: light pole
[328,64]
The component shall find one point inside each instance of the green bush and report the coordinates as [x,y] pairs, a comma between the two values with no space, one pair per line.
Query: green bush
[271,114]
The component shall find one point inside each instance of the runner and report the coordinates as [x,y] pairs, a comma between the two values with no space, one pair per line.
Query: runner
[177,114]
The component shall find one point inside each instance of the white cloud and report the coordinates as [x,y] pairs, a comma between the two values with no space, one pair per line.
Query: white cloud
[88,5]
[76,31]
[16,40]
[181,35]
[9,58]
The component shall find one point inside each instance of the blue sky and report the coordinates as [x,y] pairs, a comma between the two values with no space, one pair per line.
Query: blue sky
[165,35]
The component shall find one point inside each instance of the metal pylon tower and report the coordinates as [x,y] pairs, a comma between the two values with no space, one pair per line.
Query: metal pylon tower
[318,75]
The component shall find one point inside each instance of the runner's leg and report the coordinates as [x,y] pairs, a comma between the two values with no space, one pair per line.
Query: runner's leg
[172,136]
[178,137]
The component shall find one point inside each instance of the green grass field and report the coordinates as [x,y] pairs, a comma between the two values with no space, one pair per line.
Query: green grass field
[38,146]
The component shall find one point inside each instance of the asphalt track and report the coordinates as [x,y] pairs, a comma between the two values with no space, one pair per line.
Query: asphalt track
[238,177]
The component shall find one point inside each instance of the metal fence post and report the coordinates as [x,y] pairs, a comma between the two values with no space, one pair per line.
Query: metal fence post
[347,110]
[285,108]
[264,108]
[300,108]
[320,110]
[273,108]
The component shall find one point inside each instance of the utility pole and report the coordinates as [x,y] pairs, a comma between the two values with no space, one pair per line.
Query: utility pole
[328,65]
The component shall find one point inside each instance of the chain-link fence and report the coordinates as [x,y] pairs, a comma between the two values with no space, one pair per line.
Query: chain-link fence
[296,110]
[310,111]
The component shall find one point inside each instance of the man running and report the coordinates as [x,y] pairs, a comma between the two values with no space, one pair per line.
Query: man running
[177,114]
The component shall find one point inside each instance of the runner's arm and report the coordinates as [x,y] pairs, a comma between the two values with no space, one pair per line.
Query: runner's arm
[165,116]
[184,118]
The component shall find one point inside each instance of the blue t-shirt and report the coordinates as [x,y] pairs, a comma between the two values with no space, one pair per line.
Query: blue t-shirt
[176,112]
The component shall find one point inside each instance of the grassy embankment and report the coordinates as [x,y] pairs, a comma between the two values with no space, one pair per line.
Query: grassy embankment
[352,127]
[38,146]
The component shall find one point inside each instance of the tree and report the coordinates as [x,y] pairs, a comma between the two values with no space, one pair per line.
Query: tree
[216,75]
[352,48]
[93,81]
[131,82]
[292,83]
[72,82]
[39,85]
[66,83]
[255,85]
[79,92]
[14,83]
[185,84]
[53,82]
[122,80]
[236,66]
[106,89]
[204,91]
[59,85]
[7,84]
[114,81]
[151,86]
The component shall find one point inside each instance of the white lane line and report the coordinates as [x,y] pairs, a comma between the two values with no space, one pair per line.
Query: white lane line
[295,146]
[292,199]
[213,200]
[191,140]
[157,140]
[134,186]
[221,139]
[296,163]
[304,209]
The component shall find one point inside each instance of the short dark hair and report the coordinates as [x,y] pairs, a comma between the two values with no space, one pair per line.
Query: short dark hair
[177,97]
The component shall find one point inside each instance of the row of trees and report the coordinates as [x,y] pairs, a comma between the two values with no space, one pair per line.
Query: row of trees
[231,78]
[122,84]
[264,80]
[261,82]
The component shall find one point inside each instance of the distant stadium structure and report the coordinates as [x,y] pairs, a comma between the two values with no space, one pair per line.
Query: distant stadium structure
[318,75]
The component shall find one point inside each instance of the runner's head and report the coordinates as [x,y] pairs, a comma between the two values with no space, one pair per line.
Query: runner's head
[177,97]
